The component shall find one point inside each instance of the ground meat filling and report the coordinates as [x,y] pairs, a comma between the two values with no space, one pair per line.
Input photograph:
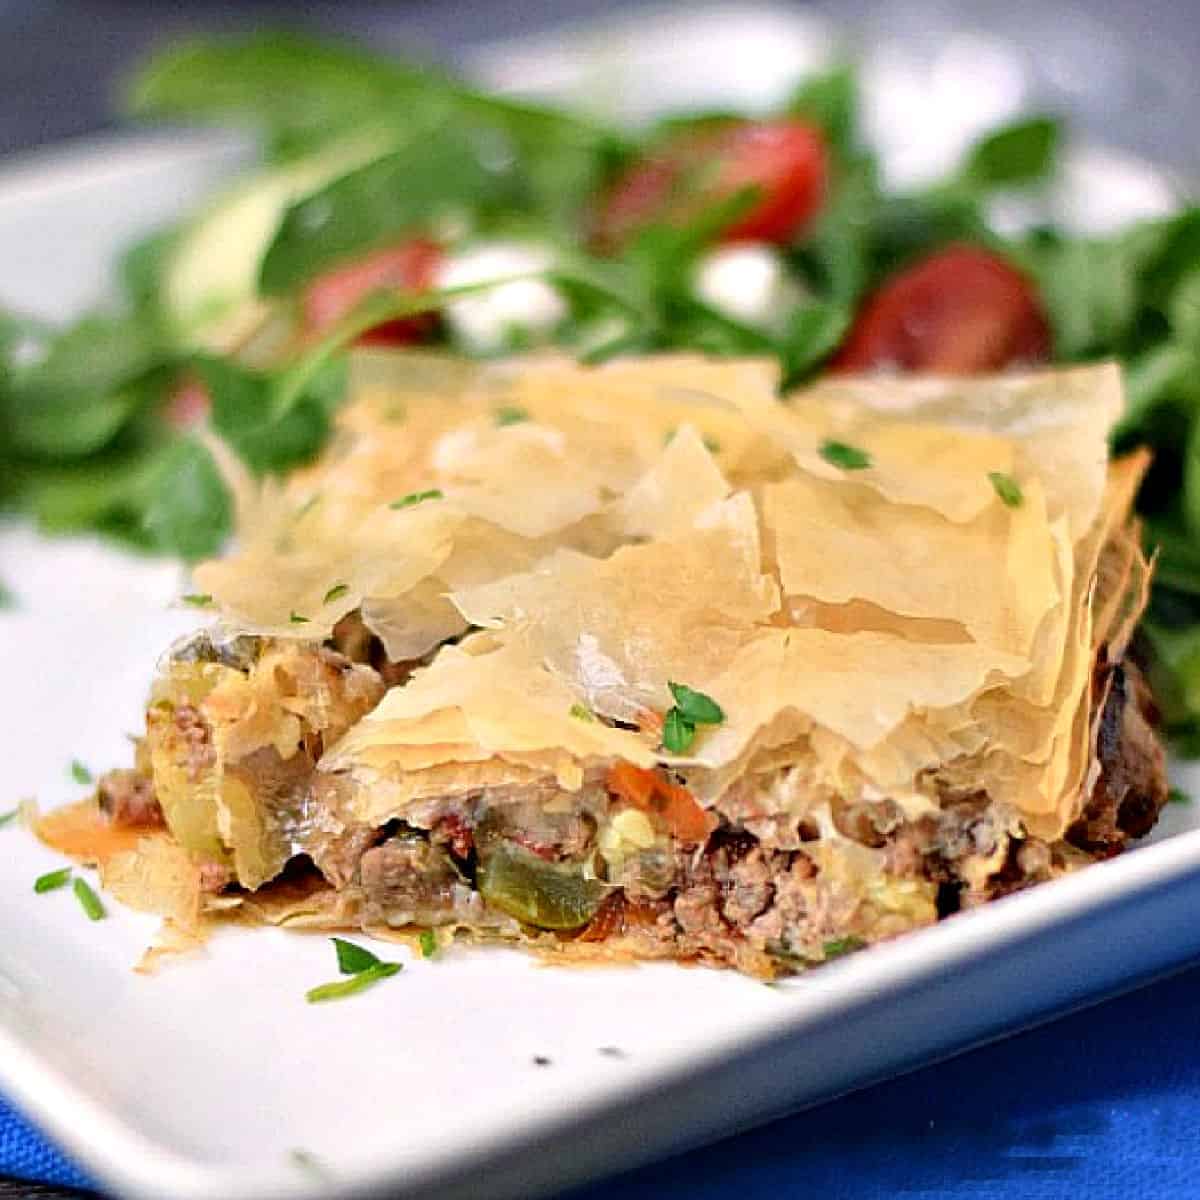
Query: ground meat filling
[127,797]
[1132,787]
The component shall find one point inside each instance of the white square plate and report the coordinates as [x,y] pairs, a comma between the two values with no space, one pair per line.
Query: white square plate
[206,1080]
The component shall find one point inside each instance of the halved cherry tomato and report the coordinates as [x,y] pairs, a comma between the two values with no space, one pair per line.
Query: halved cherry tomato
[674,806]
[961,311]
[784,160]
[410,265]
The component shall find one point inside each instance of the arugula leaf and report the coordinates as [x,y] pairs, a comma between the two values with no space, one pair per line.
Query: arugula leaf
[830,100]
[353,959]
[815,331]
[1089,288]
[1024,152]
[182,506]
[357,982]
[1178,796]
[140,269]
[299,90]
[441,169]
[266,437]
[82,389]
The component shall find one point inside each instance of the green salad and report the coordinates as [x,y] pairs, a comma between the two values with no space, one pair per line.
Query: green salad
[394,204]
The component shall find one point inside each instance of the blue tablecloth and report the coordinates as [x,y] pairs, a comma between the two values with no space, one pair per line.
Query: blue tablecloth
[1103,1104]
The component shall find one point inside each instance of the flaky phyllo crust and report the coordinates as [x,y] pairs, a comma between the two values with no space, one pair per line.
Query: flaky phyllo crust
[435,690]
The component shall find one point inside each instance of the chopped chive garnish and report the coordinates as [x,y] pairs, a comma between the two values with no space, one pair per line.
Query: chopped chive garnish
[356,983]
[1178,796]
[336,592]
[88,900]
[417,498]
[79,772]
[848,458]
[696,706]
[429,943]
[711,444]
[581,712]
[52,880]
[297,619]
[1007,488]
[842,946]
[352,959]
[9,817]
[511,414]
[678,732]
[197,599]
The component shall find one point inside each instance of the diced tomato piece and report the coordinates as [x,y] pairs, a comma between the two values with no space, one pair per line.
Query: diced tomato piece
[671,804]
[408,266]
[785,161]
[961,311]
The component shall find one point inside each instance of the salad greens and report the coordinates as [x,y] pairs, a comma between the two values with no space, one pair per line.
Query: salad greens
[360,149]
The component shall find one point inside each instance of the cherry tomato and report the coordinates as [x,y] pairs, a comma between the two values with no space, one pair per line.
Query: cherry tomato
[961,311]
[410,265]
[784,160]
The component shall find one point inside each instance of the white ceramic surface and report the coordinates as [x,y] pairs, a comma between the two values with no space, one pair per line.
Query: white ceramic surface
[205,1080]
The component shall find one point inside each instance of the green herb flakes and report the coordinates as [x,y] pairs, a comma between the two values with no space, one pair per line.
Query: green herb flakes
[52,880]
[415,498]
[840,947]
[696,706]
[843,456]
[581,712]
[9,817]
[678,732]
[357,982]
[1007,488]
[429,943]
[296,619]
[352,959]
[88,900]
[511,414]
[79,772]
[1178,796]
[198,599]
[691,708]
[336,592]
